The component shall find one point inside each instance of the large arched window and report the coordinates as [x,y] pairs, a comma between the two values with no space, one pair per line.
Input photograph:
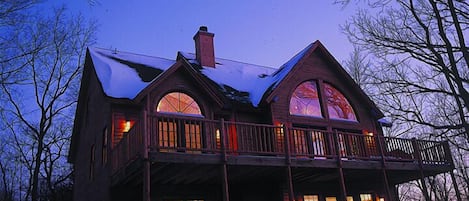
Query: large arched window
[177,102]
[305,100]
[337,105]
[178,134]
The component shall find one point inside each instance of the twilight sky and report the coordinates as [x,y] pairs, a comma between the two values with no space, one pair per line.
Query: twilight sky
[263,32]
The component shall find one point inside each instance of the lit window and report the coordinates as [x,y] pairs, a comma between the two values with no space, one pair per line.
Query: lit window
[126,126]
[365,197]
[305,100]
[177,102]
[337,105]
[331,199]
[310,198]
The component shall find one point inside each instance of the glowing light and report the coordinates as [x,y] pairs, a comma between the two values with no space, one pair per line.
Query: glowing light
[217,133]
[370,134]
[126,126]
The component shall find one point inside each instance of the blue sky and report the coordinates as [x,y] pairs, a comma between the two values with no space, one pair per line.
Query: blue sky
[263,32]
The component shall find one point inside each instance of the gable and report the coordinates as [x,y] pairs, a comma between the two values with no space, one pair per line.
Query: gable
[316,63]
[181,77]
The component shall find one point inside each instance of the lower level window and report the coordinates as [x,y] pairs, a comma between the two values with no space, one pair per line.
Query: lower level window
[366,197]
[311,198]
[349,198]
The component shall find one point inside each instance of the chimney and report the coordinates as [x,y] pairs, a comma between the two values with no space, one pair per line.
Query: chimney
[204,47]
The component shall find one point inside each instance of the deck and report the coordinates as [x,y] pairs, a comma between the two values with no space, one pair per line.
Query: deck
[174,142]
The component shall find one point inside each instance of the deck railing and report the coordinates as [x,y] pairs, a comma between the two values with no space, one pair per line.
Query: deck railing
[129,148]
[196,135]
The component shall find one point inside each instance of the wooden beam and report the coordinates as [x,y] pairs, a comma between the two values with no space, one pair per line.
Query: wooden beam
[343,190]
[420,162]
[225,187]
[455,186]
[146,163]
[291,194]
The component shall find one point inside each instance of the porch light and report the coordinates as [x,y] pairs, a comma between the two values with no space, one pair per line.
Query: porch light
[126,126]
[370,134]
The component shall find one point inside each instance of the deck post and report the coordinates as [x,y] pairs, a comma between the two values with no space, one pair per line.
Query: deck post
[291,193]
[383,167]
[146,161]
[343,190]
[418,156]
[223,141]
[449,159]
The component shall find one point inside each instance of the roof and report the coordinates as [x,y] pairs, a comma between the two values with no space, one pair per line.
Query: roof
[125,75]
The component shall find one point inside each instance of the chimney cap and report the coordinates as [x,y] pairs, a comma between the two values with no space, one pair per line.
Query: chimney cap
[203,28]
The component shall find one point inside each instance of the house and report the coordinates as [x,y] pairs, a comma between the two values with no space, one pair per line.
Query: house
[205,128]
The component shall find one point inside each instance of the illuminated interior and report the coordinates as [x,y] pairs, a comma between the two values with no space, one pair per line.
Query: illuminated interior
[366,197]
[177,102]
[311,198]
[337,105]
[305,100]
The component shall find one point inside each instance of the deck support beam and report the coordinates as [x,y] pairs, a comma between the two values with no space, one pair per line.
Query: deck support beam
[343,189]
[422,175]
[291,193]
[455,186]
[146,162]
[224,142]
[383,168]
[226,194]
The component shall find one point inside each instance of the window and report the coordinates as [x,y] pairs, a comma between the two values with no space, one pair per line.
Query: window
[349,198]
[305,100]
[180,134]
[337,105]
[365,197]
[331,199]
[311,198]
[177,102]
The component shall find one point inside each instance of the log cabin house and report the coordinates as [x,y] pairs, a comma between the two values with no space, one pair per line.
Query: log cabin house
[201,128]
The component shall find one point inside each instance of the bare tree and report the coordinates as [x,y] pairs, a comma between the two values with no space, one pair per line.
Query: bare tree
[39,107]
[419,73]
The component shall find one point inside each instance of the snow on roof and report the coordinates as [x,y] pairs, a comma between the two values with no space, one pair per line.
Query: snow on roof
[124,75]
[246,82]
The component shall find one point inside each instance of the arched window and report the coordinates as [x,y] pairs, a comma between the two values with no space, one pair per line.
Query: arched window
[179,134]
[177,102]
[337,105]
[305,100]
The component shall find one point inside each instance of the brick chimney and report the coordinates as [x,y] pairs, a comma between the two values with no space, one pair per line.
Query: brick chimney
[204,50]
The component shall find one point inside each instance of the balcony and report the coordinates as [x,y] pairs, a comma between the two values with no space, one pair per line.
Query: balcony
[192,140]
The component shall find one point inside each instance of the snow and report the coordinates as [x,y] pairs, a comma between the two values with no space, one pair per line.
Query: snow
[118,79]
[125,75]
[252,79]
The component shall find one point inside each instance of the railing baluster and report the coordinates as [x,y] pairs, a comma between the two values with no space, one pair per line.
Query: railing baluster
[200,136]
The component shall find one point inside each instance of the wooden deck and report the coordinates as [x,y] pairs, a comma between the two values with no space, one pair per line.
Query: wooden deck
[175,142]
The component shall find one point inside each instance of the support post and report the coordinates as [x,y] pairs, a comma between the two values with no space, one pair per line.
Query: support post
[343,190]
[291,194]
[418,156]
[146,161]
[383,167]
[223,141]
[451,162]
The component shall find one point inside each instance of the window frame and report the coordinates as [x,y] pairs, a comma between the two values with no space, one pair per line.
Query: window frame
[323,103]
[162,98]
